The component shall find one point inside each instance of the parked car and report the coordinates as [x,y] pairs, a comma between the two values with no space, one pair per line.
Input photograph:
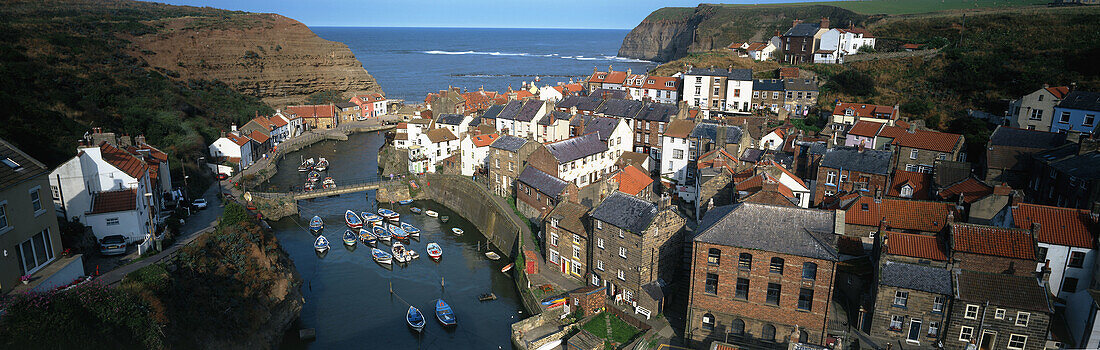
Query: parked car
[112,245]
[199,203]
[221,176]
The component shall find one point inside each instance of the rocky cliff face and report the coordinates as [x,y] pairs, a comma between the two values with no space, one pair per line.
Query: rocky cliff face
[266,55]
[659,40]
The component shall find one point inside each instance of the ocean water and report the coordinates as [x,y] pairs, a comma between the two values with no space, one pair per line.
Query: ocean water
[411,62]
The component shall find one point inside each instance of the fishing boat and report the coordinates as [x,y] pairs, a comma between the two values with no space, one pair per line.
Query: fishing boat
[316,224]
[398,232]
[507,268]
[431,213]
[412,230]
[381,256]
[388,214]
[434,251]
[329,183]
[415,210]
[444,314]
[399,253]
[306,165]
[313,176]
[308,186]
[353,220]
[457,231]
[322,164]
[415,319]
[349,237]
[487,297]
[321,244]
[554,301]
[405,202]
[371,217]
[410,255]
[444,218]
[366,237]
[381,233]
[492,256]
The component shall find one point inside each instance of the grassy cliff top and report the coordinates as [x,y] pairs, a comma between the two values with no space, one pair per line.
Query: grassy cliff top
[867,7]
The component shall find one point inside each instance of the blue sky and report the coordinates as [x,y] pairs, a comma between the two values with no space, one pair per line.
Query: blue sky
[616,14]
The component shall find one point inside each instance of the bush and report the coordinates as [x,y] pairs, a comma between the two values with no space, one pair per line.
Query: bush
[87,316]
[852,82]
[234,214]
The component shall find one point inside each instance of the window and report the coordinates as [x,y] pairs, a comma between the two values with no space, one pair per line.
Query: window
[843,177]
[712,284]
[714,256]
[622,252]
[937,304]
[698,90]
[599,242]
[3,216]
[599,225]
[790,94]
[1076,259]
[768,333]
[744,262]
[971,312]
[620,233]
[806,299]
[576,252]
[708,322]
[737,327]
[999,314]
[1090,119]
[913,154]
[756,94]
[576,267]
[1017,341]
[775,96]
[677,154]
[599,265]
[35,252]
[554,256]
[1022,318]
[809,271]
[933,329]
[698,80]
[36,200]
[901,298]
[966,334]
[830,178]
[553,239]
[1069,285]
[112,221]
[622,276]
[774,290]
[595,280]
[776,266]
[56,192]
[1064,118]
[742,291]
[716,91]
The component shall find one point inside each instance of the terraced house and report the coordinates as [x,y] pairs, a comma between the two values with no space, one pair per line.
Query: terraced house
[582,160]
[719,91]
[567,241]
[538,192]
[914,291]
[507,157]
[918,150]
[845,170]
[997,311]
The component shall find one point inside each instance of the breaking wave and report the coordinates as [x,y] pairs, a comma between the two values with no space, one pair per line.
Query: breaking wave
[524,54]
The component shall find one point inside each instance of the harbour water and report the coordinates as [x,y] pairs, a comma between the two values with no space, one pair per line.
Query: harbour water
[347,294]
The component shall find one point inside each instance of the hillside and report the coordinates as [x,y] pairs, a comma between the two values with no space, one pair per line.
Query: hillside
[177,74]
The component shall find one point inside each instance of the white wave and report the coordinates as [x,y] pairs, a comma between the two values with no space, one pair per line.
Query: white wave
[624,59]
[582,58]
[524,54]
[437,52]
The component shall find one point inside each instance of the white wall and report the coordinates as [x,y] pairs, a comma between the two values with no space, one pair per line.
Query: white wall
[738,95]
[473,156]
[776,141]
[69,179]
[131,224]
[1058,255]
[672,167]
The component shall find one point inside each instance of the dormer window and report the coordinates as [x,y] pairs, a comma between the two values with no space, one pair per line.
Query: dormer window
[12,164]
[907,191]
[849,112]
[651,81]
[669,83]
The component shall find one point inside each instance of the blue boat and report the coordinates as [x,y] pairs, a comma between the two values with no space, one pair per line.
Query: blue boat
[349,237]
[389,214]
[412,230]
[444,314]
[352,220]
[316,224]
[381,256]
[371,217]
[366,237]
[381,233]
[415,319]
[321,244]
[405,202]
[415,210]
[398,232]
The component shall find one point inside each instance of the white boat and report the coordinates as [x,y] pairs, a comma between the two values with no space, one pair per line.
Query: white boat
[457,231]
[322,164]
[431,213]
[306,165]
[492,256]
[321,244]
[399,252]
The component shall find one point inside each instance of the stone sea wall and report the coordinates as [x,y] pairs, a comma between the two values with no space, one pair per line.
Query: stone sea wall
[492,216]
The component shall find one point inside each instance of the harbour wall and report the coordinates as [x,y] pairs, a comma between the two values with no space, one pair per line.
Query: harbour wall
[492,216]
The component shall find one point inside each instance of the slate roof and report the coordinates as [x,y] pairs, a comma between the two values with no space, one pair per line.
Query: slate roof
[580,120]
[450,119]
[529,110]
[946,172]
[735,74]
[850,158]
[1085,100]
[26,167]
[795,231]
[541,181]
[768,85]
[493,111]
[626,212]
[1016,137]
[751,155]
[553,116]
[583,103]
[679,128]
[609,94]
[1057,225]
[114,201]
[440,135]
[344,105]
[915,246]
[803,29]
[990,240]
[575,148]
[799,84]
[709,131]
[1065,159]
[916,277]
[661,112]
[621,108]
[509,143]
[1016,292]
[570,217]
[511,110]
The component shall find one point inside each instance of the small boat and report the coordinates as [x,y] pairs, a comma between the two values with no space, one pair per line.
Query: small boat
[398,232]
[322,164]
[371,217]
[431,213]
[399,253]
[487,297]
[366,237]
[349,237]
[321,244]
[444,314]
[415,319]
[306,165]
[316,224]
[457,231]
[308,186]
[381,233]
[388,214]
[381,256]
[313,176]
[411,254]
[434,251]
[444,218]
[415,210]
[554,300]
[329,183]
[405,202]
[412,230]
[507,268]
[492,256]
[352,220]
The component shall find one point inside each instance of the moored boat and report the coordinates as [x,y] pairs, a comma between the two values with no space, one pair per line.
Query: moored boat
[316,224]
[434,251]
[444,314]
[322,164]
[381,256]
[492,255]
[349,237]
[431,213]
[507,268]
[405,202]
[309,186]
[457,231]
[398,232]
[352,219]
[487,297]
[371,217]
[306,165]
[381,233]
[329,183]
[366,237]
[388,214]
[398,251]
[416,210]
[412,230]
[321,244]
[415,319]
[313,176]
[444,218]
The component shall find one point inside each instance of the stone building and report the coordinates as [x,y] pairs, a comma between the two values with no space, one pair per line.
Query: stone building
[918,150]
[507,157]
[637,250]
[589,299]
[994,249]
[801,95]
[1067,176]
[760,273]
[852,170]
[768,94]
[566,240]
[1009,151]
[997,311]
[913,293]
[538,192]
[582,160]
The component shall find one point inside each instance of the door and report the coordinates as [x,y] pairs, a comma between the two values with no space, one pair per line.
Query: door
[914,331]
[988,339]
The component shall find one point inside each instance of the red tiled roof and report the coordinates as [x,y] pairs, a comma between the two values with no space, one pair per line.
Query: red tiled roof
[900,214]
[972,189]
[862,31]
[313,111]
[757,46]
[929,140]
[1059,92]
[865,128]
[264,122]
[735,45]
[635,80]
[123,160]
[258,136]
[911,46]
[573,88]
[918,181]
[865,110]
[788,72]
[1059,226]
[990,240]
[114,201]
[659,83]
[892,132]
[240,141]
[485,140]
[916,246]
[278,121]
[632,180]
[615,77]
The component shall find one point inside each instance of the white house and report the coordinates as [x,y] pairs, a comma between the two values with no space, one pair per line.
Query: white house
[233,148]
[774,139]
[554,126]
[438,144]
[519,118]
[615,132]
[799,188]
[109,189]
[475,152]
[581,160]
[674,150]
[456,123]
[721,91]
[123,212]
[837,43]
[759,51]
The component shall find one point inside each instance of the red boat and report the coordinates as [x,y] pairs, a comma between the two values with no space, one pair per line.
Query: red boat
[434,251]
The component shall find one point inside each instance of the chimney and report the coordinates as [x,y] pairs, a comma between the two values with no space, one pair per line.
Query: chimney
[628,71]
[140,139]
[838,222]
[233,127]
[1044,275]
[124,141]
[609,69]
[796,22]
[573,110]
[861,148]
[729,69]
[665,202]
[912,128]
[1088,145]
[824,22]
[878,194]
[1045,85]
[1073,86]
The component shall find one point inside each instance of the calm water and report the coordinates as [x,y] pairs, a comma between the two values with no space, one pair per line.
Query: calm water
[347,294]
[410,62]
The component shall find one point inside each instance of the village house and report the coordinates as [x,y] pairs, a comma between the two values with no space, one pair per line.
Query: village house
[456,123]
[613,131]
[774,139]
[475,153]
[707,136]
[567,243]
[915,185]
[558,92]
[419,162]
[759,51]
[793,187]
[768,94]
[347,112]
[837,43]
[481,100]
[716,175]
[1067,176]
[637,250]
[801,41]
[852,170]
[801,95]
[760,273]
[370,105]
[582,160]
[233,149]
[610,80]
[997,311]
[553,127]
[1035,111]
[315,116]
[865,216]
[438,144]
[646,119]
[765,189]
[1077,112]
[635,181]
[718,91]
[863,134]
[918,150]
[674,150]
[450,100]
[993,249]
[519,118]
[1066,245]
[1010,150]
[538,192]
[261,143]
[913,291]
[507,157]
[661,89]
[847,114]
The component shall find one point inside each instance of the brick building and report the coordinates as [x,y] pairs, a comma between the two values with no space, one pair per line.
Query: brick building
[852,170]
[996,311]
[1067,176]
[538,192]
[566,240]
[799,43]
[918,150]
[993,249]
[759,271]
[507,157]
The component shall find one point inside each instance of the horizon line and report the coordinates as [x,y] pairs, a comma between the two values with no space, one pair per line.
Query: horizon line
[459,27]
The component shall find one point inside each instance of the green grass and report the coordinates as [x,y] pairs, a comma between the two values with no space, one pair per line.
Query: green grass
[904,7]
[621,332]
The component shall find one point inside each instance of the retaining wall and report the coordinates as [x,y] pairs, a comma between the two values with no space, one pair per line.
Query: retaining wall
[494,218]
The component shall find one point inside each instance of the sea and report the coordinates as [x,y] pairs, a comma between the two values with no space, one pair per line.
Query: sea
[411,62]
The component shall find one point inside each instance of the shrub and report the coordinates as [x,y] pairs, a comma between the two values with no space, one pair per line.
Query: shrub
[87,316]
[852,82]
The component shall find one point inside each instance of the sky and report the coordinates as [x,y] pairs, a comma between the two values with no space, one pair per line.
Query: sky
[591,14]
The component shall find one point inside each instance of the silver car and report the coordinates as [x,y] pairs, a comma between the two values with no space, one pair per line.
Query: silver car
[112,245]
